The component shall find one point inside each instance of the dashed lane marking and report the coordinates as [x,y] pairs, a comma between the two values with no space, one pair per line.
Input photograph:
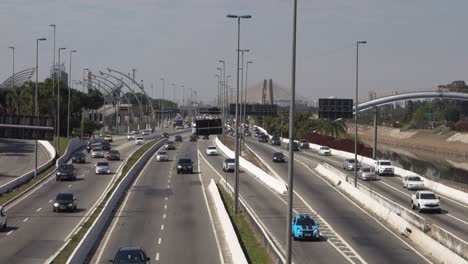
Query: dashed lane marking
[26,219]
[38,209]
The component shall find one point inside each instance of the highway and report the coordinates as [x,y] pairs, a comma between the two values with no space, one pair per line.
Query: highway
[35,233]
[166,214]
[368,236]
[454,217]
[17,157]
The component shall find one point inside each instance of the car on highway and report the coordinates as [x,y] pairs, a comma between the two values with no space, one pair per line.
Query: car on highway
[366,173]
[3,219]
[193,138]
[102,167]
[106,145]
[275,140]
[162,156]
[64,202]
[304,144]
[165,135]
[185,165]
[247,133]
[263,138]
[211,150]
[170,145]
[205,137]
[384,167]
[295,146]
[113,155]
[178,138]
[229,165]
[139,140]
[97,153]
[108,138]
[348,164]
[131,136]
[134,255]
[425,201]
[304,227]
[278,157]
[65,172]
[413,182]
[324,151]
[79,157]
[145,132]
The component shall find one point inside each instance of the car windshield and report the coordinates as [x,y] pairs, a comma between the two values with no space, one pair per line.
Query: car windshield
[139,138]
[64,197]
[78,154]
[385,163]
[66,167]
[324,148]
[102,164]
[211,147]
[275,138]
[278,154]
[367,169]
[350,161]
[161,153]
[97,149]
[414,179]
[428,196]
[185,161]
[230,160]
[303,140]
[129,256]
[305,221]
[113,152]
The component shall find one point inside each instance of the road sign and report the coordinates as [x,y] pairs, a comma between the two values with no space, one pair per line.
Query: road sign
[333,108]
[208,127]
[26,127]
[256,109]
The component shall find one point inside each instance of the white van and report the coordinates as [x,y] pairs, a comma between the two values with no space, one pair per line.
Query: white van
[3,219]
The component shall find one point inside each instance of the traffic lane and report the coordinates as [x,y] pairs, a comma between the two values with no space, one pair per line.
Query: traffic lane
[43,225]
[364,233]
[188,234]
[138,220]
[271,211]
[17,157]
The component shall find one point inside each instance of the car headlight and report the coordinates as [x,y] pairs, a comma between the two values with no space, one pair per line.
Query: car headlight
[56,204]
[179,167]
[70,204]
[299,230]
[315,231]
[108,171]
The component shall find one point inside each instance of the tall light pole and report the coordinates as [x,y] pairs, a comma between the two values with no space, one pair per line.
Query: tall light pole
[218,81]
[242,84]
[355,111]
[227,96]
[174,88]
[219,85]
[236,194]
[53,62]
[69,86]
[58,101]
[223,87]
[245,91]
[161,107]
[36,106]
[292,103]
[82,112]
[13,70]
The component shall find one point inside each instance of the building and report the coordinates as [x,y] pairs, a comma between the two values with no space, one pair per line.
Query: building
[59,73]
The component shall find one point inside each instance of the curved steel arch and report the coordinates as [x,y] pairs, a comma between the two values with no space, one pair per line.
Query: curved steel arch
[19,78]
[409,96]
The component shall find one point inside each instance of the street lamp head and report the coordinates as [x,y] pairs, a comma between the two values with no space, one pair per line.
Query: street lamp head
[52,25]
[222,61]
[11,47]
[62,49]
[362,42]
[232,16]
[71,51]
[219,68]
[246,16]
[100,72]
[41,39]
[250,62]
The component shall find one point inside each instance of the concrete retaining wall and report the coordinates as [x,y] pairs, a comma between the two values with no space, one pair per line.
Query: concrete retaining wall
[81,252]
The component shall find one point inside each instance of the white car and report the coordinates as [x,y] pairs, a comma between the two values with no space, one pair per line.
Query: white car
[3,219]
[324,151]
[162,156]
[384,167]
[97,153]
[425,201]
[229,165]
[145,133]
[211,150]
[413,183]
[102,167]
[131,136]
[139,141]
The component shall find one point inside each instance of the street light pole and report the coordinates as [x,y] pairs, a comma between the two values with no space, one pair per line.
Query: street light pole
[217,76]
[236,194]
[356,112]
[36,106]
[82,112]
[245,92]
[223,87]
[174,87]
[219,85]
[13,75]
[243,96]
[53,62]
[69,86]
[161,107]
[227,98]
[58,101]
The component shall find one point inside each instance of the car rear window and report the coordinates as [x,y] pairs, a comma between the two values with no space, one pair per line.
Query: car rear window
[414,179]
[139,138]
[385,163]
[102,163]
[428,196]
[366,170]
[129,256]
[305,221]
[185,161]
[64,196]
[230,160]
[162,153]
[97,149]
[324,148]
[66,166]
[350,161]
[211,147]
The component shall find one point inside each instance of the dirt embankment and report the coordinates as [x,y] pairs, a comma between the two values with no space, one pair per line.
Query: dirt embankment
[424,143]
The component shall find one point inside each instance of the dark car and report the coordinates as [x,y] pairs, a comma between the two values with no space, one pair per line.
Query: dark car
[65,172]
[170,145]
[64,202]
[178,138]
[304,144]
[206,137]
[185,166]
[165,135]
[275,140]
[193,138]
[79,157]
[106,145]
[263,138]
[135,255]
[247,134]
[295,146]
[278,157]
[113,155]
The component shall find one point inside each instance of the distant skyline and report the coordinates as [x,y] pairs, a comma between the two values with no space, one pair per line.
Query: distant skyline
[412,45]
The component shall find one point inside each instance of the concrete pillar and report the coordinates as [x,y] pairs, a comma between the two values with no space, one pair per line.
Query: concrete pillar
[374,151]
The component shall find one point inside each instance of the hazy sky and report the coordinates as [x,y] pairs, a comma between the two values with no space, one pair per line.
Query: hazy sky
[412,44]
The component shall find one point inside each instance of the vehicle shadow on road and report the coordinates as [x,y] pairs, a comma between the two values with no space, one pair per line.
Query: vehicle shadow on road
[8,229]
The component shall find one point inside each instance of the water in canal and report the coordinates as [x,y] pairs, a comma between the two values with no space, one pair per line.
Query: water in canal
[438,170]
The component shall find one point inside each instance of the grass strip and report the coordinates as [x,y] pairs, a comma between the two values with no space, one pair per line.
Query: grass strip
[63,256]
[63,144]
[16,191]
[255,250]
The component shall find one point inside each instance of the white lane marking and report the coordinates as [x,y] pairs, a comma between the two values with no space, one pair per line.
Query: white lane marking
[162,227]
[164,216]
[26,219]
[168,186]
[169,181]
[159,241]
[69,186]
[166,198]
[466,223]
[221,257]
[40,208]
[9,233]
[165,207]
[51,200]
[157,256]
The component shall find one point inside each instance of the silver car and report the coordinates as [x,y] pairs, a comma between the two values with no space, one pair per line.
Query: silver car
[97,153]
[102,167]
[367,174]
[348,164]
